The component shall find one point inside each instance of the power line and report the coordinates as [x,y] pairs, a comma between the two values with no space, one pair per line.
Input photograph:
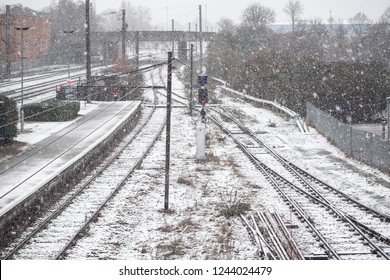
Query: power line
[81,123]
[57,107]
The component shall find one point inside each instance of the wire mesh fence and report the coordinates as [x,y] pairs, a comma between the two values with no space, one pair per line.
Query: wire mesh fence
[365,146]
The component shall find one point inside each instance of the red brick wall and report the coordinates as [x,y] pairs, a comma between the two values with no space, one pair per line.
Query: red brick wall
[36,40]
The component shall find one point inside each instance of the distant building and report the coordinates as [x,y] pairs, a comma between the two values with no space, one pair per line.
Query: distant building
[36,40]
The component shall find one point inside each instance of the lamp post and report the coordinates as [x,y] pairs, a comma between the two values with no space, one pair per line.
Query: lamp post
[123,31]
[21,74]
[68,32]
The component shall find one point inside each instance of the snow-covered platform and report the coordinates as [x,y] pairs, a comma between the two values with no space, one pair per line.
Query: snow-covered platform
[32,174]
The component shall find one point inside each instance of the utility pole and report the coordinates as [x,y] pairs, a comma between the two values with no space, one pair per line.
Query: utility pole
[196,43]
[189,35]
[205,18]
[124,35]
[168,132]
[137,48]
[68,32]
[388,118]
[21,75]
[191,75]
[88,43]
[200,39]
[173,41]
[8,40]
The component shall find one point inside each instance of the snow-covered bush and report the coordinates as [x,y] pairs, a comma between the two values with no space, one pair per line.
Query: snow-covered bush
[52,111]
[8,119]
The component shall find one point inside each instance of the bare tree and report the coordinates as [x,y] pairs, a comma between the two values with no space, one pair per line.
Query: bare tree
[294,10]
[360,24]
[226,25]
[385,18]
[258,16]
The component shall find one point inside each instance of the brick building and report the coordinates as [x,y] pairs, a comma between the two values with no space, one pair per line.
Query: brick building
[36,40]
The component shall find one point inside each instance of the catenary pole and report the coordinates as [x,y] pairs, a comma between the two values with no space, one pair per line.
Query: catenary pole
[88,50]
[191,74]
[200,39]
[168,132]
[8,40]
[124,35]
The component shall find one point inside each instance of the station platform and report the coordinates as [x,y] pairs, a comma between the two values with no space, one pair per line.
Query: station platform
[31,172]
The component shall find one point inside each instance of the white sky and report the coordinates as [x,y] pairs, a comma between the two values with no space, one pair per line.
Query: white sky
[185,11]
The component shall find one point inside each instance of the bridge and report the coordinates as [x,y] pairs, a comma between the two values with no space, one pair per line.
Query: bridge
[105,40]
[150,36]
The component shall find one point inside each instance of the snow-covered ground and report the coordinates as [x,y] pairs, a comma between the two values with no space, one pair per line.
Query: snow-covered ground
[135,226]
[37,131]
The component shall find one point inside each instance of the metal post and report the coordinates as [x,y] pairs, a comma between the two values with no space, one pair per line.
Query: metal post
[200,141]
[196,43]
[124,35]
[173,41]
[205,18]
[67,32]
[88,41]
[68,82]
[21,75]
[200,39]
[8,41]
[189,35]
[168,132]
[167,20]
[388,118]
[191,75]
[137,48]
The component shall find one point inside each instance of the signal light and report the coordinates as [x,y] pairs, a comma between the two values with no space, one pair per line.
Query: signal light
[202,96]
[203,112]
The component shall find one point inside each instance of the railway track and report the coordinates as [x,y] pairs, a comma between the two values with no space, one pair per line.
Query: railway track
[177,98]
[356,231]
[70,218]
[53,235]
[38,86]
[40,76]
[272,236]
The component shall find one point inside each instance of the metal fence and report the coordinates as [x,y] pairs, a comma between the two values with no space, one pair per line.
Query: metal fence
[362,145]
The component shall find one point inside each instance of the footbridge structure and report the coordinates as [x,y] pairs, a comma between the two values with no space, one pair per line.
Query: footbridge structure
[104,40]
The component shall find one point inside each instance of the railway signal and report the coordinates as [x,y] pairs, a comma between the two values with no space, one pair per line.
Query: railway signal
[201,126]
[203,112]
[202,94]
[202,79]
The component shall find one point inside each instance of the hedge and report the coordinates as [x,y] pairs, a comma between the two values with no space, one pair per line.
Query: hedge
[51,111]
[8,118]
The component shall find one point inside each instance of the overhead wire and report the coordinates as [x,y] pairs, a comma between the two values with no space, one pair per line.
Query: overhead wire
[96,80]
[88,96]
[66,133]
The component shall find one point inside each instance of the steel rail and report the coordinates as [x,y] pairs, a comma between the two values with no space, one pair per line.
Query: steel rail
[93,217]
[330,251]
[318,197]
[78,192]
[300,173]
[59,209]
[361,228]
